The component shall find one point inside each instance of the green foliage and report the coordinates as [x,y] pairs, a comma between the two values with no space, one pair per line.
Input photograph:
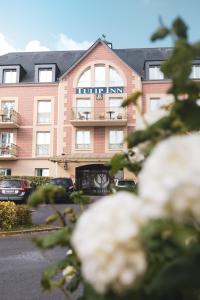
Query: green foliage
[172,250]
[132,99]
[12,215]
[23,215]
[45,194]
[80,198]
[60,237]
[8,215]
[36,180]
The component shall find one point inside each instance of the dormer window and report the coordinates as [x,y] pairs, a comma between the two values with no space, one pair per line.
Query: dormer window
[45,75]
[195,74]
[9,76]
[155,73]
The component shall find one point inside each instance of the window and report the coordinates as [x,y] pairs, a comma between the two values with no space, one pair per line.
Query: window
[43,112]
[82,139]
[45,75]
[157,103]
[100,75]
[116,139]
[85,79]
[115,106]
[10,76]
[6,138]
[43,143]
[41,172]
[114,78]
[5,172]
[83,109]
[195,74]
[7,105]
[103,76]
[155,73]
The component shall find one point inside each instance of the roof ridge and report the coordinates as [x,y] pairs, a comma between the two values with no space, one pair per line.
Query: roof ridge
[142,48]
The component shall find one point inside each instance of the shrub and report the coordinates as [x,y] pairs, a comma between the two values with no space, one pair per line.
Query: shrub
[12,215]
[8,215]
[23,215]
[36,180]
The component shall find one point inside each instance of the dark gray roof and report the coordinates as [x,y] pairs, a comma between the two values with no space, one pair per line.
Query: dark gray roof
[135,58]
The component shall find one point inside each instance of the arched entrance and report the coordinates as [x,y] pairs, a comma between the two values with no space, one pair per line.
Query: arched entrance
[93,179]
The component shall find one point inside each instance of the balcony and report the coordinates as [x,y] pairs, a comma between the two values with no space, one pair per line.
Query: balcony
[8,151]
[9,119]
[99,116]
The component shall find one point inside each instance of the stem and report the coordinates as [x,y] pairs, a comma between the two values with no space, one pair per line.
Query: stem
[141,115]
[60,216]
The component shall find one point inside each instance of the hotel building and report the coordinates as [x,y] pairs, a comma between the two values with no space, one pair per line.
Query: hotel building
[60,111]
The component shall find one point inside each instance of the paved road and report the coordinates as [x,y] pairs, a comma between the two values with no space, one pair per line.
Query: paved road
[45,210]
[21,264]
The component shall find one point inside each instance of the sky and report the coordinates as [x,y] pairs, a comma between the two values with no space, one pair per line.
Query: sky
[40,25]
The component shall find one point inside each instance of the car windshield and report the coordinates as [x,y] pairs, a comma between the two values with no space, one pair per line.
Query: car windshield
[126,183]
[61,181]
[10,184]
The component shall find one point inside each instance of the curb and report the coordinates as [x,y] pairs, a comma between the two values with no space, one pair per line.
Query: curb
[26,231]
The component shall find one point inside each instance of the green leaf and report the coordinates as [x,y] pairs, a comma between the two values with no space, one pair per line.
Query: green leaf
[51,271]
[160,34]
[80,198]
[181,272]
[59,238]
[179,28]
[132,99]
[51,219]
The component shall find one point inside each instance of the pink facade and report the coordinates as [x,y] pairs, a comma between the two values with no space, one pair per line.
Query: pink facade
[82,128]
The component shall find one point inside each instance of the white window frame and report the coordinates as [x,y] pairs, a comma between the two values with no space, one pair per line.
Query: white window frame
[44,75]
[155,73]
[9,76]
[100,75]
[195,73]
[156,103]
[43,149]
[44,114]
[117,80]
[85,79]
[4,171]
[85,137]
[42,171]
[117,144]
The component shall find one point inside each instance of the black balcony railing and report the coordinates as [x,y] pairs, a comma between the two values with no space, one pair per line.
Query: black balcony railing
[99,113]
[9,116]
[8,150]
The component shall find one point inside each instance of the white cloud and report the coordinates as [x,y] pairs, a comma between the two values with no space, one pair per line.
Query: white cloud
[63,42]
[5,45]
[67,43]
[35,46]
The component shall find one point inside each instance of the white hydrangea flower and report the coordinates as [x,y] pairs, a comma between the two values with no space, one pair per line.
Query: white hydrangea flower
[68,273]
[106,239]
[170,178]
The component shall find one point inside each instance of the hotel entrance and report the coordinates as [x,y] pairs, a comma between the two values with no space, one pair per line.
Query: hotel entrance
[93,179]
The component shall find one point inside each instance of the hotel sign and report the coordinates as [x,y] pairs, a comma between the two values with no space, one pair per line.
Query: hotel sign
[100,90]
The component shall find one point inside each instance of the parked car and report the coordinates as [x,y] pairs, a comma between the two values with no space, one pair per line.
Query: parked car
[17,190]
[67,184]
[124,184]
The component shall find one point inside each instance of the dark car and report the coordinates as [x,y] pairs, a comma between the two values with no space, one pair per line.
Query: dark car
[17,190]
[67,184]
[124,184]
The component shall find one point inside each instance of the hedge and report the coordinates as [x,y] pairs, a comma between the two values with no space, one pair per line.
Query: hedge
[36,180]
[12,215]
